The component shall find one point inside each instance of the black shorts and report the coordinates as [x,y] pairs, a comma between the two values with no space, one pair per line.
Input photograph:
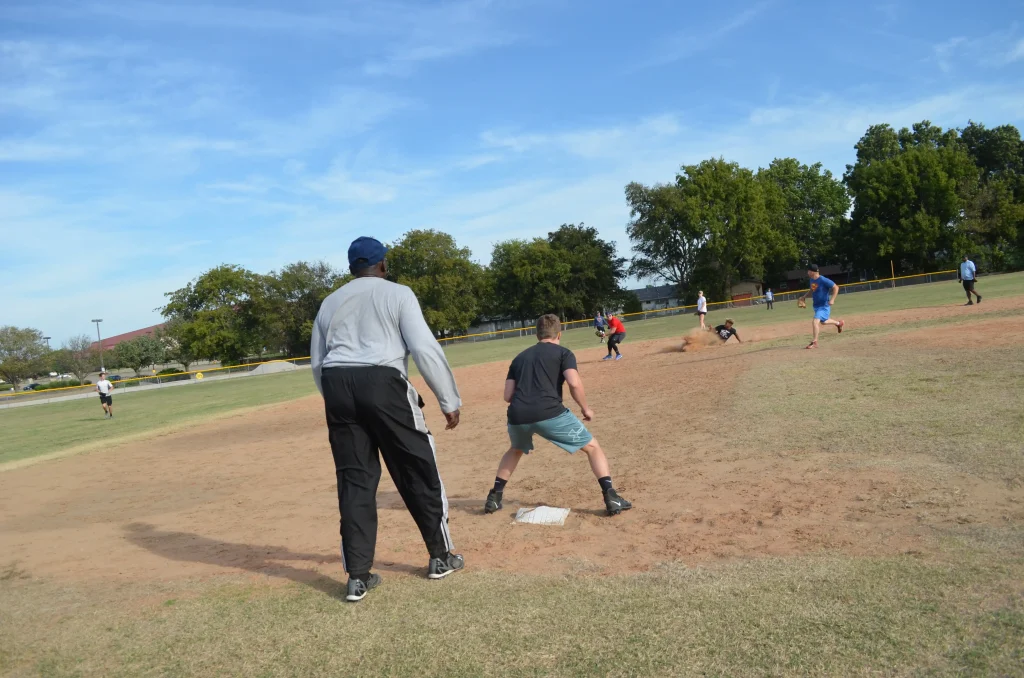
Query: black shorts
[106,399]
[968,285]
[702,312]
[617,338]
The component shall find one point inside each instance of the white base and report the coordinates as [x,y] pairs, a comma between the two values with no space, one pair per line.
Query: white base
[542,515]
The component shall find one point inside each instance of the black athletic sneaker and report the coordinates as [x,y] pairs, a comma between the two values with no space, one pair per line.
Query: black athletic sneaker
[442,567]
[357,588]
[493,502]
[979,298]
[615,504]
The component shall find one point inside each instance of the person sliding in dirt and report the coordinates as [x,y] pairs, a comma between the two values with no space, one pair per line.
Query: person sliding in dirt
[727,331]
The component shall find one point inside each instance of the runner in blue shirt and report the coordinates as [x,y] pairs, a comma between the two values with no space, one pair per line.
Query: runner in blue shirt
[823,293]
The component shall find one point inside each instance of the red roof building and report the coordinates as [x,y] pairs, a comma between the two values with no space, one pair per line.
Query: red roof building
[111,342]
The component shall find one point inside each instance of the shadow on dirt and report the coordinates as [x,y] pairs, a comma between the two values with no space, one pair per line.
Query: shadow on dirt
[271,561]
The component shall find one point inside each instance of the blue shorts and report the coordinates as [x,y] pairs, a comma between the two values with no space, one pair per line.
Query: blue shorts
[822,313]
[565,430]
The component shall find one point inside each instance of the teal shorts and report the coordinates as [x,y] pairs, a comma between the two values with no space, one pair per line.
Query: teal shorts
[565,430]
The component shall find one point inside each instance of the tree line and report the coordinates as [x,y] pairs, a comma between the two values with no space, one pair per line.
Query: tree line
[230,313]
[919,197]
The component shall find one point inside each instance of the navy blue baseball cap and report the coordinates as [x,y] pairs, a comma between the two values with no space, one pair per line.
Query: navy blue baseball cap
[364,252]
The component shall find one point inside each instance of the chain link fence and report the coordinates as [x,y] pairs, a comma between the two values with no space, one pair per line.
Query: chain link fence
[782,297]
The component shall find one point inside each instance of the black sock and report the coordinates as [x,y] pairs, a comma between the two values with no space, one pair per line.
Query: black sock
[606,483]
[499,484]
[361,577]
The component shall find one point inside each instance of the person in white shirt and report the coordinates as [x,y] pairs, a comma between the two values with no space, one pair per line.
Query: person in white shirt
[702,308]
[106,389]
[967,275]
[769,298]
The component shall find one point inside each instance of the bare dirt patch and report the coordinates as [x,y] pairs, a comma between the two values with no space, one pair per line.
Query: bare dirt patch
[256,492]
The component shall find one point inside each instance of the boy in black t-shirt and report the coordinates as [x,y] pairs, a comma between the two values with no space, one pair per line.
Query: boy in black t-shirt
[727,331]
[533,390]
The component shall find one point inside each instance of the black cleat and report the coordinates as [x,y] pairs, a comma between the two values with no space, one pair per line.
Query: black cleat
[442,567]
[615,504]
[979,298]
[357,588]
[493,503]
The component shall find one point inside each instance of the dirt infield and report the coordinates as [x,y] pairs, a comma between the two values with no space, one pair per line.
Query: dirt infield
[256,492]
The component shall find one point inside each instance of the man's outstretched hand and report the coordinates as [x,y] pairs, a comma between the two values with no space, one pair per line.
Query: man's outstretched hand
[453,420]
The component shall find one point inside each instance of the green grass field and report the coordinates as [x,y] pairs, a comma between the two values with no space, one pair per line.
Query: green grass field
[957,610]
[796,617]
[45,429]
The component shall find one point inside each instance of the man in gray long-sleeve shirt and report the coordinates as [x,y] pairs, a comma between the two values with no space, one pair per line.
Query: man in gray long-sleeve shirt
[362,339]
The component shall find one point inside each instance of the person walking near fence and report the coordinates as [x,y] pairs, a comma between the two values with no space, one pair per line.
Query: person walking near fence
[968,274]
[702,308]
[362,338]
[618,333]
[533,391]
[769,298]
[105,388]
[823,293]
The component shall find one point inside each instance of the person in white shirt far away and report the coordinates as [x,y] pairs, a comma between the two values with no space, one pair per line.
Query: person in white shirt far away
[769,298]
[967,275]
[702,308]
[106,389]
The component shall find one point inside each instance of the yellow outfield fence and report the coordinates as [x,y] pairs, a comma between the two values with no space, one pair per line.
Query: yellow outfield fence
[779,297]
[214,373]
[153,380]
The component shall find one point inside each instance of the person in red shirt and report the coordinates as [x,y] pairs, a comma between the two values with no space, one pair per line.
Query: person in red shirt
[618,333]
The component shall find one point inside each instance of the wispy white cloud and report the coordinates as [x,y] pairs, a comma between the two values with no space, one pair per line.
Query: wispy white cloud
[434,32]
[343,113]
[587,143]
[945,51]
[31,151]
[689,43]
[230,17]
[995,50]
[1016,53]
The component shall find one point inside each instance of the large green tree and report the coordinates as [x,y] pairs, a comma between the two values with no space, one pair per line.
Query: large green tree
[528,278]
[666,243]
[22,350]
[294,297]
[229,312]
[595,269]
[993,230]
[139,352]
[711,229]
[911,190]
[447,282]
[77,356]
[806,206]
[179,340]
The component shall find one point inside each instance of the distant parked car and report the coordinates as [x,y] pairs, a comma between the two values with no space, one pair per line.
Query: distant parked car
[66,376]
[53,374]
[29,387]
[114,377]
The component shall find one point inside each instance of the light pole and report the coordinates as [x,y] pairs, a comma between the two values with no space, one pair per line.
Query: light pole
[47,340]
[99,340]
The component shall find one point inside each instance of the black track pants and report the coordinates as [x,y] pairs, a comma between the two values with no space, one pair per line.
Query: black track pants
[614,341]
[371,409]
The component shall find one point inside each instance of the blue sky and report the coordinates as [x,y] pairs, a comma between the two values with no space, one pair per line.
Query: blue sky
[142,143]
